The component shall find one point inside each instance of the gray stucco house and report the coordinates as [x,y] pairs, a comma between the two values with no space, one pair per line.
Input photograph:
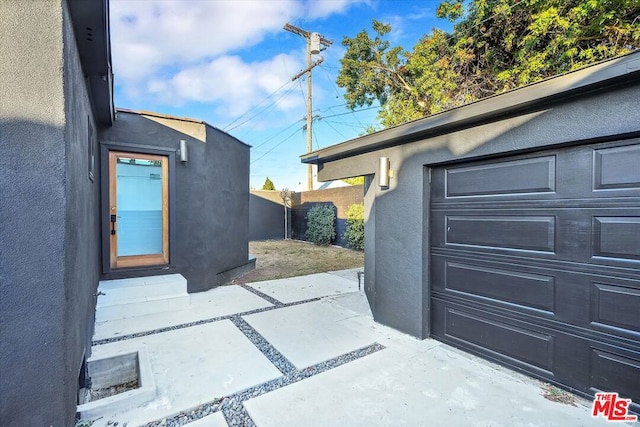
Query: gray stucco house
[510,227]
[87,193]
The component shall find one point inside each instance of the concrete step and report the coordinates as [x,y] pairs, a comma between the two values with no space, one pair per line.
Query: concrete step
[126,298]
[123,291]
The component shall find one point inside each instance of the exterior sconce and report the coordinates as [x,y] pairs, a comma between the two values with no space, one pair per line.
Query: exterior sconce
[384,172]
[183,153]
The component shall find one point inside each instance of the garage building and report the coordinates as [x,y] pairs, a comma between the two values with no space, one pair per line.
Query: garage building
[510,227]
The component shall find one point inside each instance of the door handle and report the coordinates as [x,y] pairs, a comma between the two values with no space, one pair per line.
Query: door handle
[113,224]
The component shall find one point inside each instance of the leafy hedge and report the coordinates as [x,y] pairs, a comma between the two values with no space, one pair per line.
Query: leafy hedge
[321,224]
[355,226]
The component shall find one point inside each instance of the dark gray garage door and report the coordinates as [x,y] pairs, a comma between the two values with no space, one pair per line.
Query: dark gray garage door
[535,263]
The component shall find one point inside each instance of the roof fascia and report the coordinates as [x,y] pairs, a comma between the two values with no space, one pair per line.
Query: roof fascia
[514,102]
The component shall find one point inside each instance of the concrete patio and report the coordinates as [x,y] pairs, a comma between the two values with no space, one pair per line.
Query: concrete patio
[299,351]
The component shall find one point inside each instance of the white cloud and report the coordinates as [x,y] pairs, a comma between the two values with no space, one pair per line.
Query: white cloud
[175,52]
[320,9]
[146,34]
[239,85]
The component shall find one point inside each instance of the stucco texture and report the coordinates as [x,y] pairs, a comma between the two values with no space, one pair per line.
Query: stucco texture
[209,211]
[48,269]
[396,231]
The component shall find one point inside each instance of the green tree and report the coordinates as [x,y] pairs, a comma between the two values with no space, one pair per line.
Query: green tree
[497,45]
[268,185]
[369,130]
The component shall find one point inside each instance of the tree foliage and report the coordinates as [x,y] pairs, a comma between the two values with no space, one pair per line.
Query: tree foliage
[355,226]
[356,180]
[495,46]
[268,185]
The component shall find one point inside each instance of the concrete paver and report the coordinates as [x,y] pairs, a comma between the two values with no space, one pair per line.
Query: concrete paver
[218,302]
[436,387]
[310,333]
[353,301]
[302,288]
[192,366]
[410,382]
[351,274]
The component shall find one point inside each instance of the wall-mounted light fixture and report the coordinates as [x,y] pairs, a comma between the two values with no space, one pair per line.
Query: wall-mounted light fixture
[384,172]
[183,153]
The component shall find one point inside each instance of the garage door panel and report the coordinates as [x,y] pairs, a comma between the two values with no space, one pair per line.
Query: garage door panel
[582,234]
[584,363]
[502,178]
[617,237]
[582,172]
[534,233]
[617,167]
[494,231]
[535,263]
[613,371]
[516,287]
[471,328]
[577,298]
[616,307]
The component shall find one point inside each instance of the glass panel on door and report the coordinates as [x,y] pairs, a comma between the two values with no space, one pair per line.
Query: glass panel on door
[138,209]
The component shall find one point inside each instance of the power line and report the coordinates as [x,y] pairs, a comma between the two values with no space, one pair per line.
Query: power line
[271,105]
[256,105]
[327,66]
[349,112]
[315,137]
[326,73]
[337,131]
[275,146]
[328,108]
[314,42]
[357,125]
[304,97]
[331,107]
[277,134]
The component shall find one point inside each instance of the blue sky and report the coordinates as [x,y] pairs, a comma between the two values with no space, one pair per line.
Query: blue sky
[230,63]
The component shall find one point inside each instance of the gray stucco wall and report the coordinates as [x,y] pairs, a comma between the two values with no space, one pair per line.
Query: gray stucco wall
[396,237]
[266,215]
[210,202]
[48,269]
[82,226]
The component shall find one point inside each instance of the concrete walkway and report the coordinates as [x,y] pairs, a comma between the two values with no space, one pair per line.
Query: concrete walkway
[306,351]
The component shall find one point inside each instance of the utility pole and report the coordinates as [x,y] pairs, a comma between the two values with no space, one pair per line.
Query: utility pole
[314,40]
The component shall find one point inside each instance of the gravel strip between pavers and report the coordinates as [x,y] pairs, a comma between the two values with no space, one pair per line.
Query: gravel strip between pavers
[200,322]
[262,295]
[232,406]
[275,357]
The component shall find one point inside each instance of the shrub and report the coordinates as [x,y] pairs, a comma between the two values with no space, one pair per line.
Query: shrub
[355,226]
[320,224]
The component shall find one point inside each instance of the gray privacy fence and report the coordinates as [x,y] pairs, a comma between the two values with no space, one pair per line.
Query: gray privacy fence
[266,215]
[266,212]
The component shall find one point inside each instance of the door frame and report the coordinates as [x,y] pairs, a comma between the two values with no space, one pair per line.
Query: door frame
[143,259]
[105,225]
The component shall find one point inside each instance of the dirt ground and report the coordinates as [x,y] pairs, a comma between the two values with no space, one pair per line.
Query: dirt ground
[277,259]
